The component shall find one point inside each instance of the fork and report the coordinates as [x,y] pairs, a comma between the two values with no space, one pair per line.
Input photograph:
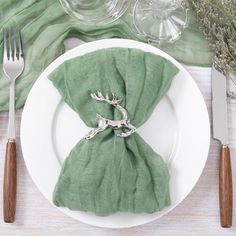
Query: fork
[13,66]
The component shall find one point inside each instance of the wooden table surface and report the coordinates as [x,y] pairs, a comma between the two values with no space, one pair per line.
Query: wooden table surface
[198,214]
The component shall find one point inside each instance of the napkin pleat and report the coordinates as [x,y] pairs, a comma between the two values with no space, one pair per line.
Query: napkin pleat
[109,174]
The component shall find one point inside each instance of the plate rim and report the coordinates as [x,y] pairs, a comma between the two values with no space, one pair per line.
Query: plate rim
[135,44]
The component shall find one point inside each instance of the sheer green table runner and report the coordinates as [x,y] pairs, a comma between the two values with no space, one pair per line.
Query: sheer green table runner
[45,26]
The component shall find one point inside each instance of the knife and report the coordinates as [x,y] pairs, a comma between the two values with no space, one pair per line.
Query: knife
[220,132]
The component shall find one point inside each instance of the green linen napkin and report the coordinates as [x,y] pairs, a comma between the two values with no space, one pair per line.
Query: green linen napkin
[45,26]
[109,174]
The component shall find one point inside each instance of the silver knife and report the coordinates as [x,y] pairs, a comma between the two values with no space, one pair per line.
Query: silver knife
[220,132]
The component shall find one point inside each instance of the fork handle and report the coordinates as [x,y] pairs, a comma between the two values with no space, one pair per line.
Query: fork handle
[225,188]
[10,182]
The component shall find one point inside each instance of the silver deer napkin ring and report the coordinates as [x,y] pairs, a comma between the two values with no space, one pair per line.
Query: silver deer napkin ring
[104,123]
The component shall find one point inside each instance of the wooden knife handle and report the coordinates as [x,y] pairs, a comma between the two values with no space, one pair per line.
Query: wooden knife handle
[225,188]
[9,186]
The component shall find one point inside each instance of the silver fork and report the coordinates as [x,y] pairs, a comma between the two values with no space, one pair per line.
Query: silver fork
[13,66]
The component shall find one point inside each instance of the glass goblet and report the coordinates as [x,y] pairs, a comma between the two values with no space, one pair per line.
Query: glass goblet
[95,11]
[160,20]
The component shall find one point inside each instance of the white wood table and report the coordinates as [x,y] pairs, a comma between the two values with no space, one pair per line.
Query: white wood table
[198,214]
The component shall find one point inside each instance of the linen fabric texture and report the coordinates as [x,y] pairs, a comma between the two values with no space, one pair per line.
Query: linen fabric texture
[45,26]
[109,174]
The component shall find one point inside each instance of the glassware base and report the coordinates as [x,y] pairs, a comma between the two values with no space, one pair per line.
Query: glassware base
[163,24]
[95,11]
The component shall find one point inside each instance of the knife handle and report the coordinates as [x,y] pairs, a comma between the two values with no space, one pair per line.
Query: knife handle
[9,186]
[225,188]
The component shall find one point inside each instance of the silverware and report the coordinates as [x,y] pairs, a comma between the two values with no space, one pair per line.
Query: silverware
[13,66]
[220,132]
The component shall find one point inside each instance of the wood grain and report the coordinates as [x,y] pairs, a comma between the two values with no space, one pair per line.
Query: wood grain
[9,188]
[225,188]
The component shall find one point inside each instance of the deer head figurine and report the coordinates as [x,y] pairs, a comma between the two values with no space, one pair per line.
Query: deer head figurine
[104,123]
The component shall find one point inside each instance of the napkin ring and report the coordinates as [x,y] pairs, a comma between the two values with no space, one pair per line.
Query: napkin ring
[104,123]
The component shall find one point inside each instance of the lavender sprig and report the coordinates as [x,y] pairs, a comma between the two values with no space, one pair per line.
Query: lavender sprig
[217,20]
[218,23]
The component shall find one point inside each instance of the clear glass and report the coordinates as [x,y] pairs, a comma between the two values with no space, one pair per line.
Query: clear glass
[160,20]
[95,11]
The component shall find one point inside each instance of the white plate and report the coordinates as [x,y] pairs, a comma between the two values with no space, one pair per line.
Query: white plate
[178,129]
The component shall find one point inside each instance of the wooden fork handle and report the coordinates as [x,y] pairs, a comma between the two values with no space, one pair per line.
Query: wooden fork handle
[9,186]
[225,188]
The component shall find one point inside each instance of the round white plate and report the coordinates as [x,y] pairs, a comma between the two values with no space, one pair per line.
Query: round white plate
[178,130]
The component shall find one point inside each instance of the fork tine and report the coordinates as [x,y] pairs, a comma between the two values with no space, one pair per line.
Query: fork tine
[10,53]
[5,53]
[15,50]
[21,50]
[13,61]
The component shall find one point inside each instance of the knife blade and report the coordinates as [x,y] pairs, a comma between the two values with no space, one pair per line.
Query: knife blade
[219,106]
[220,132]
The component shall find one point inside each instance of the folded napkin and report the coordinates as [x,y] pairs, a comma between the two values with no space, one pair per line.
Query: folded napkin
[107,173]
[45,26]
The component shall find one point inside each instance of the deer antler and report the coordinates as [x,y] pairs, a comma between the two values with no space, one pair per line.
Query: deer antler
[99,97]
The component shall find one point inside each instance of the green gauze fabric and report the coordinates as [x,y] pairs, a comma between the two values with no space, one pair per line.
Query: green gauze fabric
[45,26]
[109,174]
